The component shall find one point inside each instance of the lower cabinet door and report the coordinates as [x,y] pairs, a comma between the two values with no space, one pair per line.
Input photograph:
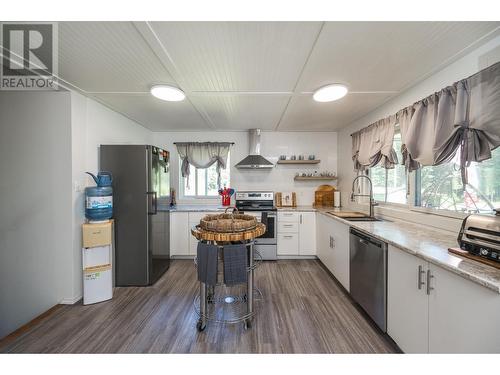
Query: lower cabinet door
[407,305]
[179,232]
[463,316]
[307,233]
[322,238]
[288,244]
[339,251]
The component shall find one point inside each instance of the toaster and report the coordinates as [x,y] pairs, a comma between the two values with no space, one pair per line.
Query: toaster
[480,235]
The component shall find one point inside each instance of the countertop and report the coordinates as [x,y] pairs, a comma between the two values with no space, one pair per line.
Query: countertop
[192,208]
[426,243]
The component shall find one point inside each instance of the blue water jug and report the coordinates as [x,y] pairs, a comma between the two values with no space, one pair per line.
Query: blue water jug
[99,199]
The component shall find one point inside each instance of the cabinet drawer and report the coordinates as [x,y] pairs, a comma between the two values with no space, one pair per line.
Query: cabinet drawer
[288,227]
[288,216]
[288,244]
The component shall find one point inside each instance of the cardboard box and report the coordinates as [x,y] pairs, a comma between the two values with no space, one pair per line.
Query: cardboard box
[99,234]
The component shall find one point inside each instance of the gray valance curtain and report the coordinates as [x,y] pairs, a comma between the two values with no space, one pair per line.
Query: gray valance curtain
[464,116]
[373,145]
[203,155]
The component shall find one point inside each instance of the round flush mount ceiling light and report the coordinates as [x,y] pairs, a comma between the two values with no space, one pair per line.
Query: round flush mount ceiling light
[330,93]
[168,93]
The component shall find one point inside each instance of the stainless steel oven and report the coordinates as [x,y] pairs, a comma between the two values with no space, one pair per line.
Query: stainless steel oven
[261,205]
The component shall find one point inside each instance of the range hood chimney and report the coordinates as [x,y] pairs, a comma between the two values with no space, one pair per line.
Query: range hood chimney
[254,160]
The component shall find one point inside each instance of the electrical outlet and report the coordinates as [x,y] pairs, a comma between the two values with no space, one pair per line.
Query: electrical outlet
[77,186]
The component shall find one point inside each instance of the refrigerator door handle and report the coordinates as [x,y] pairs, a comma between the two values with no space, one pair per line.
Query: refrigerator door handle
[155,200]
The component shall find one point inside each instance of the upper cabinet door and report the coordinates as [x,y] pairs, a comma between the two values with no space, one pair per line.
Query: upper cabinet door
[463,316]
[307,233]
[407,304]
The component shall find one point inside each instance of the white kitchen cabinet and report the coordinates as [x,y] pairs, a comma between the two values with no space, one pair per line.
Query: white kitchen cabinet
[288,244]
[333,248]
[288,227]
[288,216]
[296,233]
[407,304]
[463,316]
[322,238]
[307,233]
[447,314]
[179,232]
[340,252]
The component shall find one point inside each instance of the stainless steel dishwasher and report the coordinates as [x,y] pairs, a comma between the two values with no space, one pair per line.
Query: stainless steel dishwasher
[368,275]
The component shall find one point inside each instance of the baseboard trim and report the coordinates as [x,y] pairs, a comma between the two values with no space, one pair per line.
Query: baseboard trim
[28,326]
[280,257]
[71,301]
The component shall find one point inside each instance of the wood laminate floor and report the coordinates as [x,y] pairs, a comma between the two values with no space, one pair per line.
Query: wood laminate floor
[304,311]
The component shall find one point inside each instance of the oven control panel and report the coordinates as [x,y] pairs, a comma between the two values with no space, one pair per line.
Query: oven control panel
[255,196]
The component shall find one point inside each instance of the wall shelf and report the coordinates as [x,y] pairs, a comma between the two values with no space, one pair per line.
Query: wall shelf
[314,178]
[315,161]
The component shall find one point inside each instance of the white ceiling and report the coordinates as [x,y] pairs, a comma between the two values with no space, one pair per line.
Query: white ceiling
[241,75]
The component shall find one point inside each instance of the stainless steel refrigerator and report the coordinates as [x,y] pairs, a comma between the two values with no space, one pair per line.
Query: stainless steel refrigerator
[141,185]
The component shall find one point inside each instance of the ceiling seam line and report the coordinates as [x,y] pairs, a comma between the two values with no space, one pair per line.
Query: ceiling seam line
[300,75]
[204,116]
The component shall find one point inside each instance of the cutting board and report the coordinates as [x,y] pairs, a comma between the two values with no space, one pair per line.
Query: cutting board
[323,196]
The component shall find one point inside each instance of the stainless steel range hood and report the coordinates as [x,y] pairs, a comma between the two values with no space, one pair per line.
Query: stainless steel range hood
[254,160]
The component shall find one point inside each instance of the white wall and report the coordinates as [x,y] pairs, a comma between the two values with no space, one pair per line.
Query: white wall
[92,124]
[35,201]
[274,144]
[471,63]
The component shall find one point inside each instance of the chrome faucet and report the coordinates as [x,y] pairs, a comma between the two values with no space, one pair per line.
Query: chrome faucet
[372,201]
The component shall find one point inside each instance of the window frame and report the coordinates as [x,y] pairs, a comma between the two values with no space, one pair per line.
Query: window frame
[412,195]
[194,179]
[384,203]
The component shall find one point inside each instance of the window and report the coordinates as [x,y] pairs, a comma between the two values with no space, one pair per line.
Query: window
[203,182]
[440,187]
[389,185]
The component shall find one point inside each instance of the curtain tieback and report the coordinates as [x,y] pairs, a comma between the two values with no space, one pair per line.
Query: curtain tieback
[464,151]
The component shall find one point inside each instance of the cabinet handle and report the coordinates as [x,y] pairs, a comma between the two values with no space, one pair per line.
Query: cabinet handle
[420,272]
[300,218]
[285,214]
[288,236]
[288,225]
[429,277]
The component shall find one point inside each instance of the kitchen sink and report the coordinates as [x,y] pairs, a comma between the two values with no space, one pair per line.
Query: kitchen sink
[367,218]
[353,216]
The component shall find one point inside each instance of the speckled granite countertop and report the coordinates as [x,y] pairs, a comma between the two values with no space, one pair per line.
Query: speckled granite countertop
[426,243]
[192,208]
[298,208]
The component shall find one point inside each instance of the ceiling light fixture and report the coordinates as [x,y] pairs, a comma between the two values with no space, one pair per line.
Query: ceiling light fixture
[168,93]
[330,93]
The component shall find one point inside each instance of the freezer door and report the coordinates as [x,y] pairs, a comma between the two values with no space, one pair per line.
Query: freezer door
[158,221]
[128,164]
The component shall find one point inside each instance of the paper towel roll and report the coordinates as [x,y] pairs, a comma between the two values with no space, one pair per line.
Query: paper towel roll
[336,199]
